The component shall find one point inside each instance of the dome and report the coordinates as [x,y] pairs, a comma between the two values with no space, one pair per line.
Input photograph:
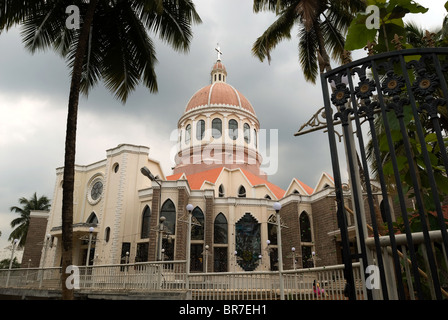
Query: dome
[219,93]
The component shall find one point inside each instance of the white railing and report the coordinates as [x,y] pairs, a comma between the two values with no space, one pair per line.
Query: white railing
[323,283]
[326,283]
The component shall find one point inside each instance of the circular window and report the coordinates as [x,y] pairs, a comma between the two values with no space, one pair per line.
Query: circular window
[95,191]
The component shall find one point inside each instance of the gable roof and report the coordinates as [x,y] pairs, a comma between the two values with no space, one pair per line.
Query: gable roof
[197,180]
[257,181]
[306,188]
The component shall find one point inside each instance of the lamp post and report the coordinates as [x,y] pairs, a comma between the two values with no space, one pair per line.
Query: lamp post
[189,209]
[159,250]
[147,173]
[206,257]
[90,245]
[277,206]
[293,249]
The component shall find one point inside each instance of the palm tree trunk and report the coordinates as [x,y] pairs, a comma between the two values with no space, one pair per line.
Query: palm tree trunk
[70,150]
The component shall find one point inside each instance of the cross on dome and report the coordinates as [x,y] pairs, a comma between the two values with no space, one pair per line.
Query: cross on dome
[219,53]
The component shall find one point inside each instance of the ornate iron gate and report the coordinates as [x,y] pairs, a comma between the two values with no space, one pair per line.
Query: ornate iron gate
[395,103]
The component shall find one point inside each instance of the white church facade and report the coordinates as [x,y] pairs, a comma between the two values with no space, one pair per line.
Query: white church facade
[217,171]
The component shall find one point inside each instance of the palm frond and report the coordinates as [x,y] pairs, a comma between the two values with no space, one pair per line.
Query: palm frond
[308,46]
[274,34]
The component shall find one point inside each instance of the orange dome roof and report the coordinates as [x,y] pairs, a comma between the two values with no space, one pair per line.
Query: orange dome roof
[219,93]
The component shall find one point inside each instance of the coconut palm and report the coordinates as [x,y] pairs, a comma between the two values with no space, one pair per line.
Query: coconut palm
[22,223]
[113,45]
[321,28]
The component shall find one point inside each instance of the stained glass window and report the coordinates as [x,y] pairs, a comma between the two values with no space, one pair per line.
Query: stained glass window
[96,191]
[248,242]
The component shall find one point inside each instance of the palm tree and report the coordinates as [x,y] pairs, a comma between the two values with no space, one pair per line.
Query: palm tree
[112,44]
[322,25]
[22,223]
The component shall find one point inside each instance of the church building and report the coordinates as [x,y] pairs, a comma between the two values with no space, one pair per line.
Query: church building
[119,201]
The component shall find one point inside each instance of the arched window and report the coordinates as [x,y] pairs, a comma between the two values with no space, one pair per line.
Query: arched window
[221,191]
[197,232]
[246,133]
[272,231]
[255,138]
[305,227]
[93,219]
[242,192]
[187,134]
[107,234]
[267,197]
[248,242]
[144,232]
[216,128]
[200,129]
[220,230]
[169,212]
[233,129]
[296,191]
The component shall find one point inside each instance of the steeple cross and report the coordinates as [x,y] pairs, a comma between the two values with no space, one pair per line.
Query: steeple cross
[218,50]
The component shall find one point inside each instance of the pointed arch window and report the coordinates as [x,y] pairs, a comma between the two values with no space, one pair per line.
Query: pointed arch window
[216,128]
[248,242]
[197,232]
[220,229]
[242,192]
[144,232]
[93,219]
[169,212]
[305,227]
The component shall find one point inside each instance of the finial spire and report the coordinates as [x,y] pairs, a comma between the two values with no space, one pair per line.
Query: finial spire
[219,53]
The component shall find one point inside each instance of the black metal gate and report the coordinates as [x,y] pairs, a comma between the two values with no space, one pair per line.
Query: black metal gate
[395,103]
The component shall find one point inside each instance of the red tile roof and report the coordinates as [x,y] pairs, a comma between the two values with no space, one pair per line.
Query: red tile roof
[196,180]
[305,187]
[255,180]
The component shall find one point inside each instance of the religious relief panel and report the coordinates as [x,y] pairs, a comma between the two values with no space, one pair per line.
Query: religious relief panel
[248,242]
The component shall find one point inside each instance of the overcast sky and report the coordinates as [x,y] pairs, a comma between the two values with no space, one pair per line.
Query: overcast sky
[34,93]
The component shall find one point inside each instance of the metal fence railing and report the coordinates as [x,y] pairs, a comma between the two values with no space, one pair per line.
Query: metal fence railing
[323,283]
